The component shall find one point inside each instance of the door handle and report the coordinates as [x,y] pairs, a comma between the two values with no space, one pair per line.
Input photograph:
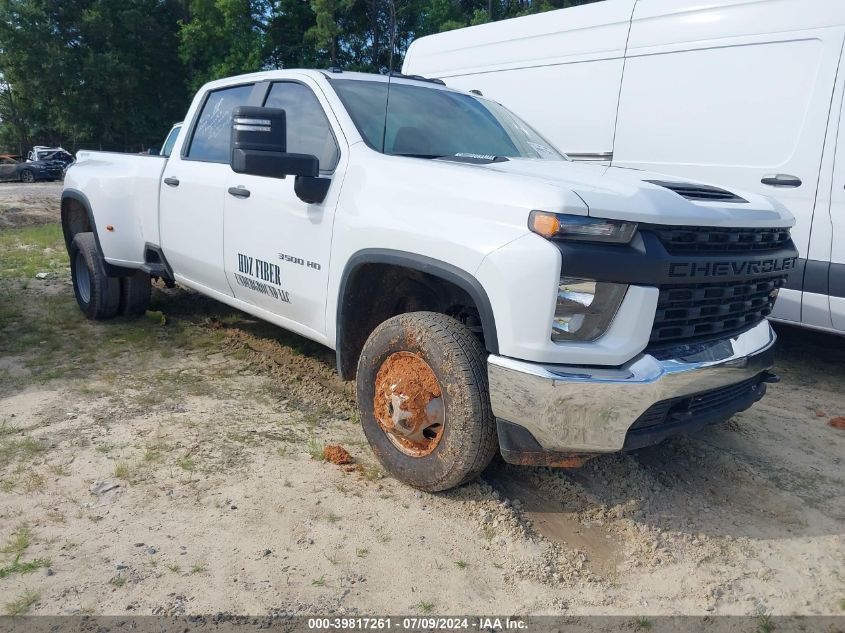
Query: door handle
[781,180]
[173,182]
[239,192]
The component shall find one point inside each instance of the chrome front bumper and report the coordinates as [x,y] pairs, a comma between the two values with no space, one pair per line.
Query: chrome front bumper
[591,409]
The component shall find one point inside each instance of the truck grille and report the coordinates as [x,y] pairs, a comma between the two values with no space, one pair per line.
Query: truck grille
[699,311]
[698,239]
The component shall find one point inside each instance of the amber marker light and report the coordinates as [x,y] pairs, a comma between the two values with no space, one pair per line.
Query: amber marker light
[581,228]
[545,224]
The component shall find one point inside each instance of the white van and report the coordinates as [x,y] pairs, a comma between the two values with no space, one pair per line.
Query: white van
[737,92]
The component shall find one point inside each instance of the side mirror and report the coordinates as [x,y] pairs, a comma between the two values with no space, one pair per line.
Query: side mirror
[259,145]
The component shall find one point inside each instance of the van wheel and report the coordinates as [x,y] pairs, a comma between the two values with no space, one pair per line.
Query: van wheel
[424,401]
[135,293]
[97,294]
[27,176]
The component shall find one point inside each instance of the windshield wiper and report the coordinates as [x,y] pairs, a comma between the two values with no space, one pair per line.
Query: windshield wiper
[429,156]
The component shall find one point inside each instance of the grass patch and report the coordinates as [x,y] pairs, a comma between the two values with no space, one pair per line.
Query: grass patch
[197,569]
[18,449]
[33,249]
[642,624]
[187,463]
[20,541]
[426,607]
[122,471]
[23,604]
[155,451]
[118,581]
[765,624]
[314,449]
[17,567]
[461,564]
[59,470]
[319,582]
[373,473]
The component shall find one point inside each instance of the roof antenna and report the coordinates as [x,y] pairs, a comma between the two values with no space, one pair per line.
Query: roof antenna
[392,7]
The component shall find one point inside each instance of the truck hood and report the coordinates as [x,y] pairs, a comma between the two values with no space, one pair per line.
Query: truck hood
[620,193]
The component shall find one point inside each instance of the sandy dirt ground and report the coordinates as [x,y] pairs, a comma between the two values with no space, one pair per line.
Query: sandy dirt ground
[173,465]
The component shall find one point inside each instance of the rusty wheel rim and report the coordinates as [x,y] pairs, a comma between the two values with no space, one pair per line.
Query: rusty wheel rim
[408,404]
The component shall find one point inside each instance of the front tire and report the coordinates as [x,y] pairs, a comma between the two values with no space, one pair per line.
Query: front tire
[27,176]
[424,401]
[97,294]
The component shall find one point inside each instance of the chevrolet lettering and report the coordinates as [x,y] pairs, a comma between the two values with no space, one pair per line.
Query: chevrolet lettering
[732,269]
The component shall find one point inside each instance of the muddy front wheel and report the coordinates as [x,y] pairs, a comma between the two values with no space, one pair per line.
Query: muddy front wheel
[424,401]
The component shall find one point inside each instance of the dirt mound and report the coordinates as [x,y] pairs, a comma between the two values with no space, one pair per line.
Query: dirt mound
[337,455]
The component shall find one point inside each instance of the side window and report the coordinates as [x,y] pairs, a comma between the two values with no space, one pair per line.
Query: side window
[170,141]
[308,130]
[212,133]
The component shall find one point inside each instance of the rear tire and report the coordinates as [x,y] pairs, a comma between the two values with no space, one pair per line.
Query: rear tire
[461,447]
[135,293]
[97,294]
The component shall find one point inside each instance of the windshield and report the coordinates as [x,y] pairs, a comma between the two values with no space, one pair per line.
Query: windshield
[430,122]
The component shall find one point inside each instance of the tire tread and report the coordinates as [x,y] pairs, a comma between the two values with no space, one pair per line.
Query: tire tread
[469,371]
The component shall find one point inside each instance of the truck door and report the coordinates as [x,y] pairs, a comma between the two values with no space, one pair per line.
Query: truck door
[277,246]
[193,193]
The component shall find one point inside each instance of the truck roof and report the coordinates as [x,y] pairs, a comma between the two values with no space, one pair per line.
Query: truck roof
[270,75]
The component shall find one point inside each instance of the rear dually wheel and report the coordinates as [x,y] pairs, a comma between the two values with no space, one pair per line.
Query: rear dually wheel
[97,294]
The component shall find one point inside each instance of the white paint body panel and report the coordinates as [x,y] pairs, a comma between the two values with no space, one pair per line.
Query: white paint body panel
[722,91]
[469,216]
[125,188]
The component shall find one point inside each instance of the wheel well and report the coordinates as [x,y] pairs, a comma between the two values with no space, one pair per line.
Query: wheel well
[74,219]
[374,292]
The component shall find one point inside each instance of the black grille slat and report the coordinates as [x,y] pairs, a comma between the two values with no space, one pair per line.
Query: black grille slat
[698,239]
[697,404]
[692,312]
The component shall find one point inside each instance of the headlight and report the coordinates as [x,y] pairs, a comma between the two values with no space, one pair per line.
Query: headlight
[576,227]
[585,308]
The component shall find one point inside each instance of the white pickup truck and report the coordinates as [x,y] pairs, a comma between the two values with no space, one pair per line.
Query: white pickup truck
[486,292]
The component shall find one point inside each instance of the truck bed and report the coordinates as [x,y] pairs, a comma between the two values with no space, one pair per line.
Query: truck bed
[122,192]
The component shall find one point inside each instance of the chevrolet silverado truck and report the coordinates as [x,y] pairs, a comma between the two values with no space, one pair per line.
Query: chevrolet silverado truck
[485,292]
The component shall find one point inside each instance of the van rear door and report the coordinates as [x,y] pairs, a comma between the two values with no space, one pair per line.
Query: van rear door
[735,93]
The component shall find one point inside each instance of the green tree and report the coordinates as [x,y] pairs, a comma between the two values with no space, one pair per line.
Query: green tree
[326,32]
[92,72]
[220,38]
